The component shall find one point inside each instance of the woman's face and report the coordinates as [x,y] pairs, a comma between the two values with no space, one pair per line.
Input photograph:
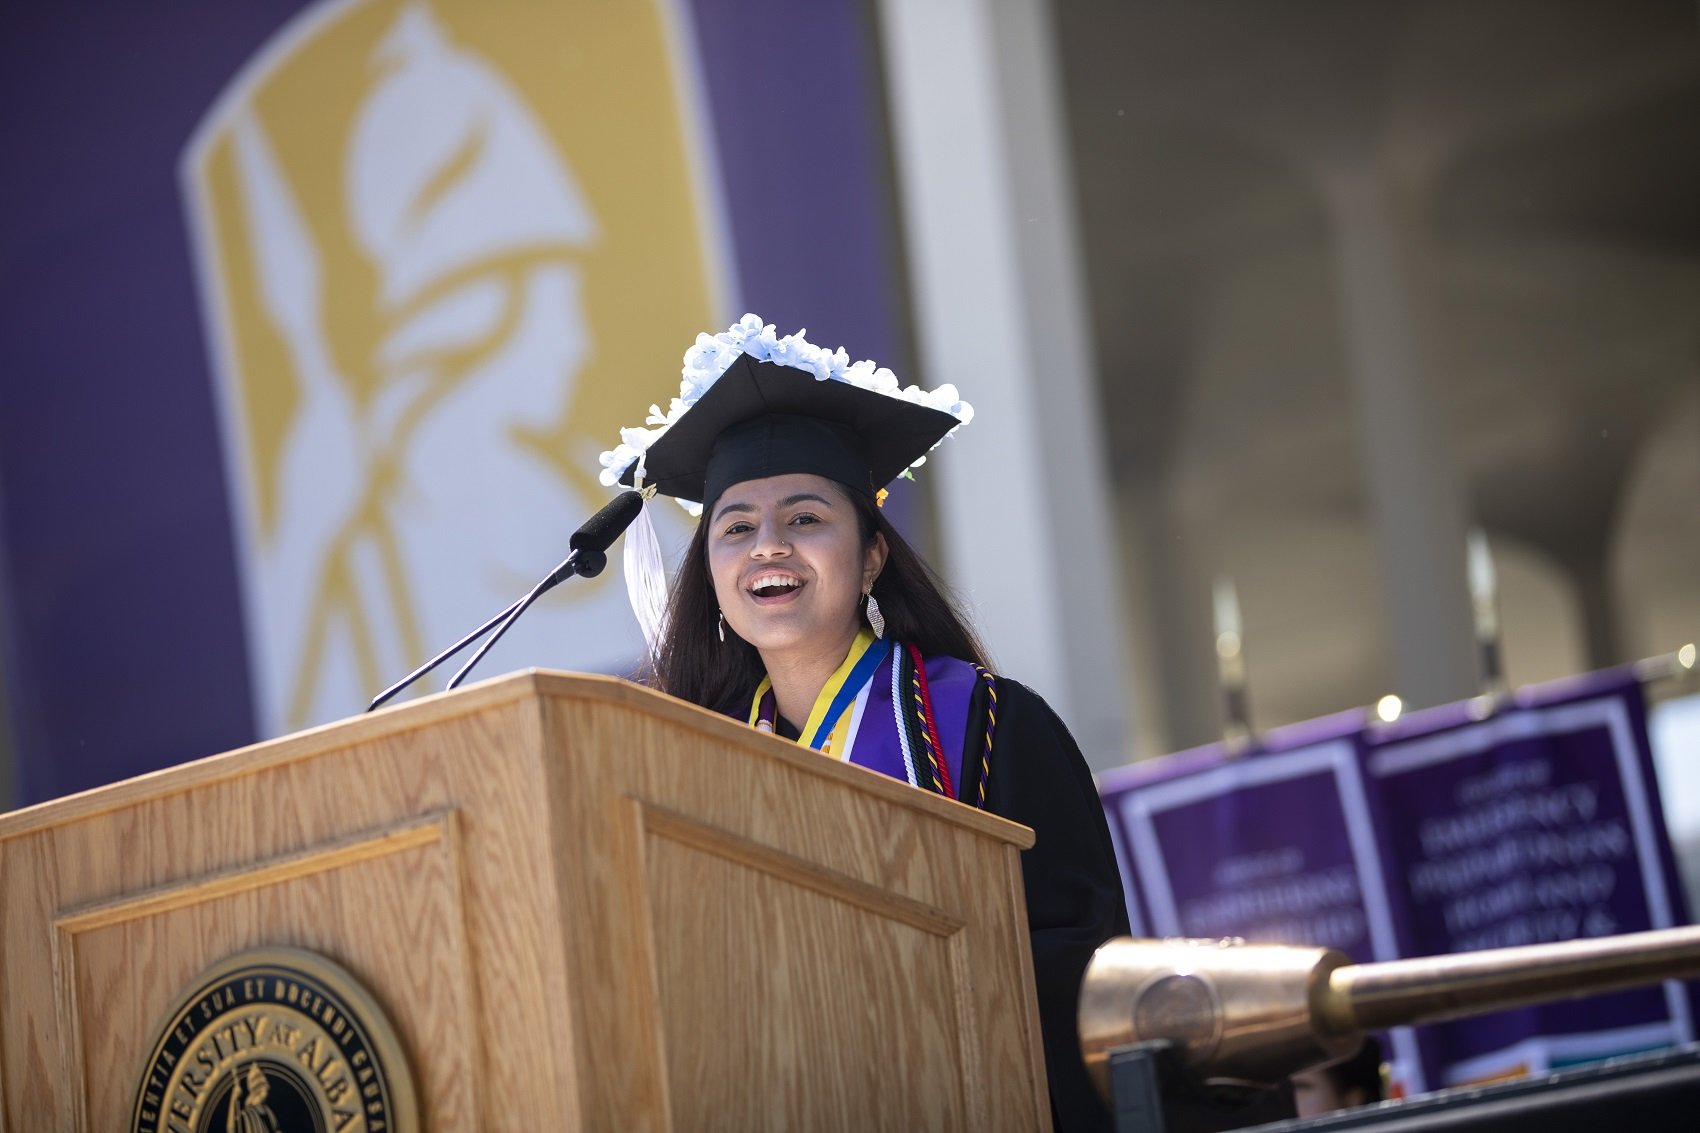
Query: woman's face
[789,565]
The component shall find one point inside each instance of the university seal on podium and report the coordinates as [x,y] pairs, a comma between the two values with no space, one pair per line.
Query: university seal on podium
[275,1040]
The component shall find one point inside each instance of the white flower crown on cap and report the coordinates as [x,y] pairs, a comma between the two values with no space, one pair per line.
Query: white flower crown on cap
[712,355]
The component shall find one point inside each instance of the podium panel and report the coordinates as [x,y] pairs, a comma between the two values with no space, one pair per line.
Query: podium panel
[580,904]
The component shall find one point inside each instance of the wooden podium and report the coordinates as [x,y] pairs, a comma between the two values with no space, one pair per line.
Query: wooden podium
[580,904]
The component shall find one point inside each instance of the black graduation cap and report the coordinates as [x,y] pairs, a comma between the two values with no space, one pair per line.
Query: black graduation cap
[764,419]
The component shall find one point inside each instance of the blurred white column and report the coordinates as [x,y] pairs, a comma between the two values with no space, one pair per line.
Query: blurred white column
[988,204]
[1417,501]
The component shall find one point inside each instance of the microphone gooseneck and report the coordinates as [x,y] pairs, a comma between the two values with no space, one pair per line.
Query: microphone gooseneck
[587,558]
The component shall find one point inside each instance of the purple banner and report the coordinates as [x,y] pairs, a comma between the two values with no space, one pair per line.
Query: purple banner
[1439,834]
[1277,846]
[1538,824]
[203,200]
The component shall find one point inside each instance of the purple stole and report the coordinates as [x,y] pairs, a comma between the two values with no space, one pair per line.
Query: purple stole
[878,743]
[951,685]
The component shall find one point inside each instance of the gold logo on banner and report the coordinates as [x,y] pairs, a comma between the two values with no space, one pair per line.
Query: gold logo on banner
[446,250]
[275,1041]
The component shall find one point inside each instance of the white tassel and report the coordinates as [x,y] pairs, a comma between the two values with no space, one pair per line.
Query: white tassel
[646,578]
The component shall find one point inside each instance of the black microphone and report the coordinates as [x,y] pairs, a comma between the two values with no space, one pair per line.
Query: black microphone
[587,559]
[599,531]
[593,538]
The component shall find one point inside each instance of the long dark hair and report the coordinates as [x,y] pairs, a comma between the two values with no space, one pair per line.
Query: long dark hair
[693,664]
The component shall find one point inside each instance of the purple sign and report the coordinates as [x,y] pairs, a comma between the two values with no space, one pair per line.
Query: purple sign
[1276,846]
[156,450]
[1538,824]
[1440,834]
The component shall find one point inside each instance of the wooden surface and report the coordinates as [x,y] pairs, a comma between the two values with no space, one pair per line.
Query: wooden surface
[580,903]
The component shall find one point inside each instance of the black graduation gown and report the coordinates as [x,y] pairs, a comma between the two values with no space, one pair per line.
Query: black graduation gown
[1074,890]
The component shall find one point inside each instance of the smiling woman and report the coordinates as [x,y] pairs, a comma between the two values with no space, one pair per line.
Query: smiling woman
[789,562]
[800,609]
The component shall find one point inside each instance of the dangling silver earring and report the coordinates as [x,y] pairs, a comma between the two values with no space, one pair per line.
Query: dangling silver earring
[876,620]
[723,627]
